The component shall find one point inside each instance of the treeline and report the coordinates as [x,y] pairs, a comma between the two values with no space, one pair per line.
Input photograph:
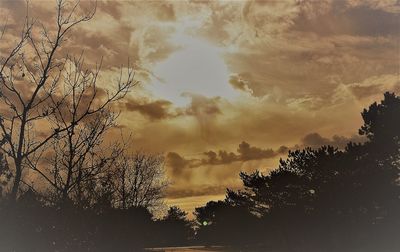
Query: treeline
[321,199]
[30,225]
[115,214]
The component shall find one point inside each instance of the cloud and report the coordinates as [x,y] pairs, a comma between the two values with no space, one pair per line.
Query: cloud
[201,171]
[391,6]
[248,152]
[315,140]
[205,110]
[222,157]
[239,82]
[151,49]
[337,17]
[177,165]
[245,152]
[166,12]
[336,42]
[374,85]
[111,7]
[154,110]
[269,17]
[174,193]
[202,106]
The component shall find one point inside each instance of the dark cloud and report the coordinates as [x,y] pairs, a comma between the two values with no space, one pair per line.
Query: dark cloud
[245,152]
[202,106]
[174,193]
[315,140]
[373,22]
[227,157]
[238,82]
[154,110]
[339,18]
[176,161]
[205,110]
[177,165]
[248,152]
[222,157]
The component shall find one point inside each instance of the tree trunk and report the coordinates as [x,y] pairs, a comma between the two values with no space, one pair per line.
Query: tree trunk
[17,179]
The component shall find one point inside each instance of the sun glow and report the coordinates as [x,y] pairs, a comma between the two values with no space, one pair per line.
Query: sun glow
[197,68]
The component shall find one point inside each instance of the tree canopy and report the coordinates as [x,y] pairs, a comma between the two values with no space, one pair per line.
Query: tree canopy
[325,198]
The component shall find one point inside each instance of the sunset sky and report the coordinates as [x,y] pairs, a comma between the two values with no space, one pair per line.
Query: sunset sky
[230,86]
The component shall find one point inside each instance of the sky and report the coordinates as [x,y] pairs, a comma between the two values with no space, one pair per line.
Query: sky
[230,86]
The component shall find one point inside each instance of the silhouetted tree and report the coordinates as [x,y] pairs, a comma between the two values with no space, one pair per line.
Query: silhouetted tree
[139,181]
[220,223]
[32,89]
[26,88]
[175,229]
[79,155]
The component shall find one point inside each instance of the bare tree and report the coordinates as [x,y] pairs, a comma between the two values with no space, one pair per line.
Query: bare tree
[78,158]
[36,92]
[140,181]
[78,154]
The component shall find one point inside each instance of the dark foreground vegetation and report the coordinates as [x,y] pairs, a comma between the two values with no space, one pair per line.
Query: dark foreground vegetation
[321,199]
[64,189]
